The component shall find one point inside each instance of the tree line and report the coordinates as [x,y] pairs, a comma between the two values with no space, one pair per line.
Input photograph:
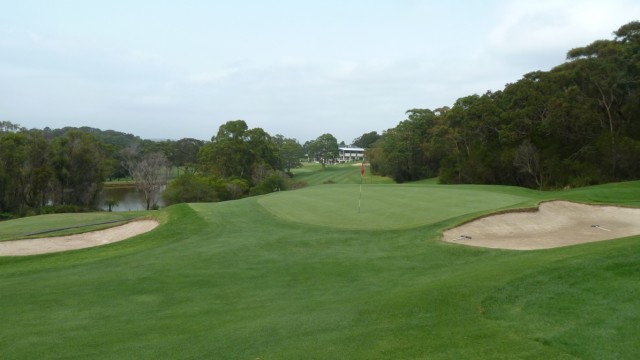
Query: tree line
[575,125]
[237,162]
[64,170]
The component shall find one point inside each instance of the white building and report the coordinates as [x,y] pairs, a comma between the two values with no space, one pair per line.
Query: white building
[347,154]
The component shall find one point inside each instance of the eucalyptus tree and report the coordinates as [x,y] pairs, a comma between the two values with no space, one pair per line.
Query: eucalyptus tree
[13,154]
[151,174]
[366,140]
[324,148]
[228,153]
[290,152]
[78,166]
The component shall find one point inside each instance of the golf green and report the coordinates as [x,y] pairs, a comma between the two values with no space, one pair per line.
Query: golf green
[383,207]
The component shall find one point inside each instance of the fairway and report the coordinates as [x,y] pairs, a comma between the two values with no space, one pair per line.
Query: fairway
[263,278]
[383,207]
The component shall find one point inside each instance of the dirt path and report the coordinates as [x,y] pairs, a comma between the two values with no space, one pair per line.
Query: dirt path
[555,224]
[77,241]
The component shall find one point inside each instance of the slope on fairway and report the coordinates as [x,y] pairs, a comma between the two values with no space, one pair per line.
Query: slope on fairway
[384,207]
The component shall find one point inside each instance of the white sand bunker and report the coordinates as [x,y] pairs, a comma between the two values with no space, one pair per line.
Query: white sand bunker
[77,241]
[555,224]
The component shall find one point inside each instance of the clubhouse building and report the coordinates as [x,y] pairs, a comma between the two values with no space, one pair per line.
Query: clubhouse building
[348,154]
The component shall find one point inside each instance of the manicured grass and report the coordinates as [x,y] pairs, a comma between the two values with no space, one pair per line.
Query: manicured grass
[576,305]
[234,281]
[21,228]
[313,174]
[384,206]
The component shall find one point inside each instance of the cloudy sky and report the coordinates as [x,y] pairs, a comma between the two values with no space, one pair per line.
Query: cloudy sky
[175,69]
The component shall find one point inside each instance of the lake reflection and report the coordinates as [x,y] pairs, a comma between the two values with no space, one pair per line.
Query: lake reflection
[128,198]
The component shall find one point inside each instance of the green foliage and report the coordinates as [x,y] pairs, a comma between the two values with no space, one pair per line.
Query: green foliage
[78,165]
[324,149]
[68,170]
[290,152]
[273,183]
[574,125]
[366,140]
[188,188]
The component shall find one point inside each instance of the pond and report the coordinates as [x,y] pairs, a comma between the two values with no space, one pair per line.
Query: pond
[128,198]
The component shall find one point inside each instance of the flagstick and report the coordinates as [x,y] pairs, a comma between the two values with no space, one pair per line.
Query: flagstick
[360,199]
[361,178]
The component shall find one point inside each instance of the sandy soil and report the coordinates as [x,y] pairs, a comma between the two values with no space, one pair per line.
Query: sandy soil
[555,224]
[77,241]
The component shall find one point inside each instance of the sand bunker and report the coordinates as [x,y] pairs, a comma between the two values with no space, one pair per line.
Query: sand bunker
[77,241]
[555,224]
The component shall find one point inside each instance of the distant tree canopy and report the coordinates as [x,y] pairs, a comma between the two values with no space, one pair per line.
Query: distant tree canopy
[237,162]
[366,139]
[324,149]
[66,168]
[577,124]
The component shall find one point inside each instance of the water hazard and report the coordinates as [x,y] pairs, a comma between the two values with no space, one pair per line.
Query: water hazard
[125,198]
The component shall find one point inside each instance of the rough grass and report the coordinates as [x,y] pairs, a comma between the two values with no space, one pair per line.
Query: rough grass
[234,281]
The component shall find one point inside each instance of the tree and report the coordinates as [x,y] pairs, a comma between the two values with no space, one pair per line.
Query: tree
[78,167]
[404,155]
[186,152]
[228,153]
[324,148]
[8,126]
[151,173]
[290,152]
[528,161]
[366,139]
[13,154]
[190,187]
[36,171]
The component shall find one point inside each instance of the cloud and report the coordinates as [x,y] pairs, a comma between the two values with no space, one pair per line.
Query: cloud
[528,27]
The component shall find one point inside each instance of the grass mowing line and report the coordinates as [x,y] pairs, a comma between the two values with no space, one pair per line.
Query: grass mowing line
[77,227]
[337,174]
[16,228]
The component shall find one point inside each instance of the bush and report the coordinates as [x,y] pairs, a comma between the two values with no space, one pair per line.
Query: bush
[275,182]
[190,188]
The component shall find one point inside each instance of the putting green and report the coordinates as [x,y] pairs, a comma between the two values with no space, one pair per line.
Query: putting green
[383,207]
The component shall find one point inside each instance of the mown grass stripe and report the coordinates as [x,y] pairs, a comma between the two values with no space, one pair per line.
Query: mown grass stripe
[77,227]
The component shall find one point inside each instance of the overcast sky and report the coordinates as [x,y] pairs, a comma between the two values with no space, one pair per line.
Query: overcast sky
[175,69]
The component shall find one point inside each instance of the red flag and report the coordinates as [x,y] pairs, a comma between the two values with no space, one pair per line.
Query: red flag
[362,169]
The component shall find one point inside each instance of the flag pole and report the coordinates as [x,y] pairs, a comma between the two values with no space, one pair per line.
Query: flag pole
[361,177]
